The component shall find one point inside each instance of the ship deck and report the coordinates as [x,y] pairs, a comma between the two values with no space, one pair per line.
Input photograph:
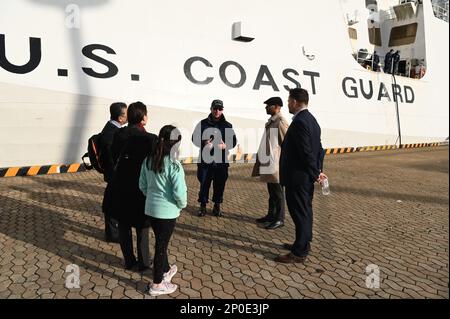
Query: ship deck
[388,209]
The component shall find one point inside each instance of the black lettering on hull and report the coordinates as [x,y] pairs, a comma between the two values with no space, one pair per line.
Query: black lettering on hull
[31,65]
[264,71]
[223,76]
[88,51]
[353,88]
[188,70]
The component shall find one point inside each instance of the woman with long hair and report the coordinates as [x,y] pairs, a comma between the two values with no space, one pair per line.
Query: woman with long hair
[163,183]
[130,147]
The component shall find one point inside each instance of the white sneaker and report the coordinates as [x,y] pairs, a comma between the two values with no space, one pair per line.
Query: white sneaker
[167,288]
[167,277]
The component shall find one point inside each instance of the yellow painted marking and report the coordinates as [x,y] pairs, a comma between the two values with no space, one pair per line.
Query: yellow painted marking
[33,170]
[73,168]
[53,169]
[12,171]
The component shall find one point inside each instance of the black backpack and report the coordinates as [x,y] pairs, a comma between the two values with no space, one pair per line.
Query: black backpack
[94,154]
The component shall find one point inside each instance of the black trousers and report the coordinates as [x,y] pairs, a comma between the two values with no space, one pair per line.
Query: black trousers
[299,201]
[111,224]
[126,244]
[163,229]
[217,174]
[276,202]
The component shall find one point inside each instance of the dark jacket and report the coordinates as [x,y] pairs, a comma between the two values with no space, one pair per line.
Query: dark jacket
[302,154]
[131,145]
[219,131]
[376,62]
[388,58]
[106,140]
[376,59]
[396,58]
[388,62]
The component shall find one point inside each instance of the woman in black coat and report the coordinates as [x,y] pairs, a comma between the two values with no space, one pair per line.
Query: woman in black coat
[131,145]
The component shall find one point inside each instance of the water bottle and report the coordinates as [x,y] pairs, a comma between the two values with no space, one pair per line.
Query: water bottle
[325,187]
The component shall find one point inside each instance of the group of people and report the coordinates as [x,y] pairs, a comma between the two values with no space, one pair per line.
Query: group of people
[391,61]
[145,188]
[146,185]
[293,162]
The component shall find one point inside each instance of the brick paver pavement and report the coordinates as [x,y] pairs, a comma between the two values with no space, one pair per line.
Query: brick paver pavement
[386,208]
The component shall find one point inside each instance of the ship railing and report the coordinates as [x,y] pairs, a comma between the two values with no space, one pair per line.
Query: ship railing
[388,15]
[441,12]
[365,59]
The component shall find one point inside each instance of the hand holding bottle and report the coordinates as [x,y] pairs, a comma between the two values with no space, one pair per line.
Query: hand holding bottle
[323,180]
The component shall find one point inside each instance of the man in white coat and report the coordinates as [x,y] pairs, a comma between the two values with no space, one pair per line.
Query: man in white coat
[267,163]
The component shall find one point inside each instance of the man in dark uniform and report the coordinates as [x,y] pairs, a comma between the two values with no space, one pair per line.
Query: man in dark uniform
[215,137]
[300,167]
[118,112]
[375,62]
[395,61]
[388,62]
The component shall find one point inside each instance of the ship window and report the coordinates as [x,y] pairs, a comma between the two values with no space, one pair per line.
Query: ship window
[375,36]
[403,35]
[353,33]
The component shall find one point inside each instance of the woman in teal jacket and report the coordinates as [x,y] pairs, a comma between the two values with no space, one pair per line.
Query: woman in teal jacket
[162,182]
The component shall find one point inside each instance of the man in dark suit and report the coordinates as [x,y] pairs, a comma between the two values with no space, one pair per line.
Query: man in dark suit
[300,166]
[118,119]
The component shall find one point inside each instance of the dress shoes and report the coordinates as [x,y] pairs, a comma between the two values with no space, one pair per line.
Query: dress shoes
[289,247]
[131,266]
[265,219]
[143,268]
[111,239]
[290,259]
[275,225]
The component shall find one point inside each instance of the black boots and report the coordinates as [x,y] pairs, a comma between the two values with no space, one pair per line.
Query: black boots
[202,211]
[216,210]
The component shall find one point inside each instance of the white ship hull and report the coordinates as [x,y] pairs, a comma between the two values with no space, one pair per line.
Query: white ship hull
[48,117]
